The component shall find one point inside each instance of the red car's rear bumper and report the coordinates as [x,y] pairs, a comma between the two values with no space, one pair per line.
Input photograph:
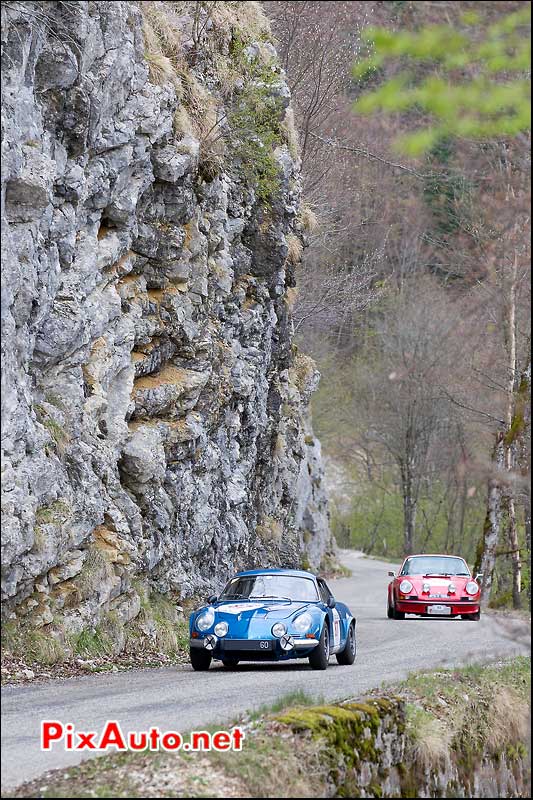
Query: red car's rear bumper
[420,606]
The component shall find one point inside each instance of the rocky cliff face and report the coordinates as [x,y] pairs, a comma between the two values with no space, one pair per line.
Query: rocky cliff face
[154,407]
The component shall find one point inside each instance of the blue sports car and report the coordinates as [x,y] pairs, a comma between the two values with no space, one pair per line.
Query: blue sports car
[272,615]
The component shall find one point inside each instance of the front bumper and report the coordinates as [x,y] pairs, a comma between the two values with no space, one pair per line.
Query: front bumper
[252,648]
[421,606]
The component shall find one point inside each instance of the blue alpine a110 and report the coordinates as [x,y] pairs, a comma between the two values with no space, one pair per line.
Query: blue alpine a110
[272,615]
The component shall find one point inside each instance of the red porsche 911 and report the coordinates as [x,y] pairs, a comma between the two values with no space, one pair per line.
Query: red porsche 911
[434,586]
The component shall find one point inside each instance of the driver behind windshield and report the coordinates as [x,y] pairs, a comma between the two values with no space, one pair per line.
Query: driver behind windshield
[272,587]
[435,566]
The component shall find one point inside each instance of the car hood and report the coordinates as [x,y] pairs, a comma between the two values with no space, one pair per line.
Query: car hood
[438,585]
[257,609]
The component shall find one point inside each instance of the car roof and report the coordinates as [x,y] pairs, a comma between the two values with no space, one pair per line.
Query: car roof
[432,555]
[296,573]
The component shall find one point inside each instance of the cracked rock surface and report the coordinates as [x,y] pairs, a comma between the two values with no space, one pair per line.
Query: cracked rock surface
[154,409]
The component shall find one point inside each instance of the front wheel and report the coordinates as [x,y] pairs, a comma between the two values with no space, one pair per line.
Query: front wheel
[395,614]
[200,659]
[319,658]
[347,655]
[474,617]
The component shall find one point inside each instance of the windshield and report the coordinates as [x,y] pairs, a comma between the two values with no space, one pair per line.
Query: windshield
[435,565]
[276,587]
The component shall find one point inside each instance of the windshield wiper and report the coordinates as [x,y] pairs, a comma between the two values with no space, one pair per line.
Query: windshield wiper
[437,575]
[236,596]
[269,597]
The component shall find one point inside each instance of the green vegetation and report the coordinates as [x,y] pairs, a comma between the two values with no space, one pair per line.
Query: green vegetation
[56,430]
[494,102]
[242,114]
[93,643]
[374,523]
[447,191]
[168,633]
[54,514]
[31,645]
[255,121]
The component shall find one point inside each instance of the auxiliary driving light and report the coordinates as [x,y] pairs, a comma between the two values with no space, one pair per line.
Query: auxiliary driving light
[286,642]
[210,642]
[279,629]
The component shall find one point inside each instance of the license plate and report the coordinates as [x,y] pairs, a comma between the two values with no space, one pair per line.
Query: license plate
[262,645]
[438,609]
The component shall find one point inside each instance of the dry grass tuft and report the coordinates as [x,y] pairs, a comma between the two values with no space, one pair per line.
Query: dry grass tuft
[247,20]
[181,123]
[164,51]
[430,741]
[290,133]
[160,69]
[308,219]
[295,249]
[509,720]
[291,296]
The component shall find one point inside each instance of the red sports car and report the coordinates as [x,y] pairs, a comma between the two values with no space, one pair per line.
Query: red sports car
[434,586]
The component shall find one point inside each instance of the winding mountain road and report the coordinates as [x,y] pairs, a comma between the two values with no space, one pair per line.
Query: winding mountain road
[178,698]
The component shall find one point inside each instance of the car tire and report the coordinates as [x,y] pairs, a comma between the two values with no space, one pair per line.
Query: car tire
[347,655]
[472,617]
[230,663]
[200,659]
[319,658]
[397,614]
[390,612]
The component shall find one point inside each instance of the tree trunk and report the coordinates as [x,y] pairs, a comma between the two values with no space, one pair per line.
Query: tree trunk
[409,522]
[513,403]
[515,553]
[492,526]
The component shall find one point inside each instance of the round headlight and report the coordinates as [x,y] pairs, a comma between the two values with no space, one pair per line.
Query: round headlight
[279,629]
[406,587]
[426,587]
[472,587]
[206,619]
[221,628]
[451,588]
[303,622]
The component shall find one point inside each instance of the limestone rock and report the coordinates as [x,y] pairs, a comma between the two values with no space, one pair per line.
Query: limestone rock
[154,414]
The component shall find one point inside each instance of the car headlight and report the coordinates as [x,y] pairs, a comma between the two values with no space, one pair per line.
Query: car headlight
[406,587]
[279,629]
[221,628]
[206,619]
[472,587]
[303,622]
[426,587]
[451,588]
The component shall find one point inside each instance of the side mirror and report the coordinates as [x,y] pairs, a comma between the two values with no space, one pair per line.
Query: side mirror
[391,574]
[479,577]
[212,599]
[331,602]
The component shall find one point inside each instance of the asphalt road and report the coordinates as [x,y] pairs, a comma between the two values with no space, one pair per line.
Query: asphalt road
[180,699]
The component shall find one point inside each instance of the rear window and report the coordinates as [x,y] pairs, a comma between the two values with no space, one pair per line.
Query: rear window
[435,565]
